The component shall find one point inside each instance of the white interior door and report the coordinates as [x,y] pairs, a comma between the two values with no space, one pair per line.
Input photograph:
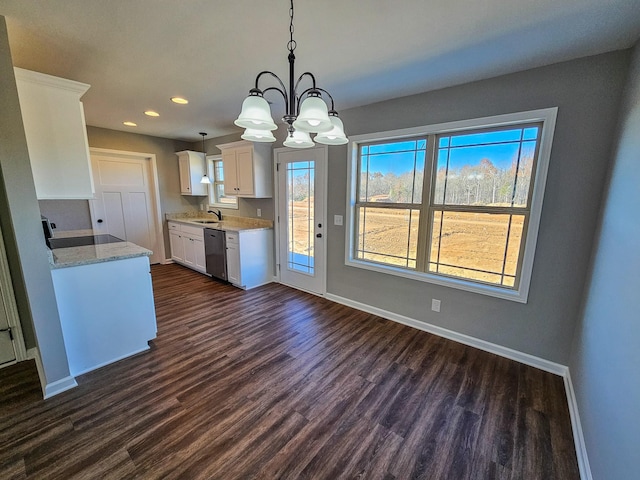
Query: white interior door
[302,220]
[124,205]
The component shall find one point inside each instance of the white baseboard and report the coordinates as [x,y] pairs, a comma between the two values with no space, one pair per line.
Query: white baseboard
[509,353]
[576,426]
[54,388]
[59,386]
[109,362]
[525,358]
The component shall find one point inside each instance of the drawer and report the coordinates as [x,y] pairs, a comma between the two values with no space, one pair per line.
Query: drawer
[197,232]
[174,226]
[232,237]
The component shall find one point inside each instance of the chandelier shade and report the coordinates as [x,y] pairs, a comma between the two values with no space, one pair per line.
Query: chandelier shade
[313,116]
[302,116]
[336,135]
[298,139]
[255,135]
[255,114]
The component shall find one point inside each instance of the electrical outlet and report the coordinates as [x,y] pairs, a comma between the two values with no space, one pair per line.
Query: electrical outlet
[259,212]
[435,305]
[337,219]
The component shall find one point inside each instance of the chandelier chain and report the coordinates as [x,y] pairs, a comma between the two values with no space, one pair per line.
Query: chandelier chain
[291,45]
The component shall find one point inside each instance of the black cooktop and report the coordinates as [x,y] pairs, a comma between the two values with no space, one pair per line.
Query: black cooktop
[82,241]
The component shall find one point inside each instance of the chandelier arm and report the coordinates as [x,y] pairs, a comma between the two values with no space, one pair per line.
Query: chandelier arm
[333,108]
[313,82]
[282,92]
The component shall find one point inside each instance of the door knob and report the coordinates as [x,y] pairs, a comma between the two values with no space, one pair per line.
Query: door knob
[318,235]
[99,220]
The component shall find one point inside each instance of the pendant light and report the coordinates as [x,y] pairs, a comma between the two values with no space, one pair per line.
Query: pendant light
[205,177]
[305,111]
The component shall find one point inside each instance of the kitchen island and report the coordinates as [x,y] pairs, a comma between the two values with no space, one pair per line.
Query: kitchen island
[105,300]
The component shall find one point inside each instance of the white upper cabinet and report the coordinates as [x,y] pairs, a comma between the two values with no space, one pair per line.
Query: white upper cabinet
[192,168]
[247,169]
[53,118]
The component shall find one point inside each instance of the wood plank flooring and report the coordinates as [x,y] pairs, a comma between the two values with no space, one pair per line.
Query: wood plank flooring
[277,384]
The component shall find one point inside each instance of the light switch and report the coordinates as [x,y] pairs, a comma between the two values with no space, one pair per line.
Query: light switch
[337,219]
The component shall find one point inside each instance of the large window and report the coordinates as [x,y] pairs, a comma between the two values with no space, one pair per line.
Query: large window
[455,204]
[217,198]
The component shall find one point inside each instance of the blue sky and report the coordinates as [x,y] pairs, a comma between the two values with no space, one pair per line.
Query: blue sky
[499,146]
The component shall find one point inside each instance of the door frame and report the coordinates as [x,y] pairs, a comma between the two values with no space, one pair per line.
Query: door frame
[9,300]
[154,190]
[276,197]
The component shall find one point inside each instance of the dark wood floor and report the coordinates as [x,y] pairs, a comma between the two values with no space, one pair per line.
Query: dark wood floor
[274,383]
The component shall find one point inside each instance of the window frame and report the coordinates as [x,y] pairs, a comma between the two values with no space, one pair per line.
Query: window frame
[211,188]
[520,294]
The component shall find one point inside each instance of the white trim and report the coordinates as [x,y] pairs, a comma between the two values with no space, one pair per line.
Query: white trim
[59,386]
[109,362]
[576,426]
[51,81]
[11,309]
[54,388]
[505,352]
[155,193]
[546,115]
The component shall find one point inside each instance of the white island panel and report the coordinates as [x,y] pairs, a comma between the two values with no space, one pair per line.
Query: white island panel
[106,310]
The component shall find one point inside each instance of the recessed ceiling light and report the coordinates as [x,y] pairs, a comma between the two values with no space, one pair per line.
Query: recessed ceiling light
[130,124]
[151,113]
[179,100]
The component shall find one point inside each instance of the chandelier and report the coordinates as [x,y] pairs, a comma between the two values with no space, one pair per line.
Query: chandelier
[303,117]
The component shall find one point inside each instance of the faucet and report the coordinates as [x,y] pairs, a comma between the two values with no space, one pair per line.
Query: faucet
[217,214]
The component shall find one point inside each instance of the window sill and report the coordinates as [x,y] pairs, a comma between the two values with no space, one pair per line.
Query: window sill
[519,296]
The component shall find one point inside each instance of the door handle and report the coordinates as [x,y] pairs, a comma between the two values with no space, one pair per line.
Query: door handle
[318,235]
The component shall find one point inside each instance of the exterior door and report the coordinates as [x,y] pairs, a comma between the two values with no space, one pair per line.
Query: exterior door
[124,205]
[301,215]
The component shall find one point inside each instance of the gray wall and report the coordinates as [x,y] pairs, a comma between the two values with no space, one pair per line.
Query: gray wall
[22,230]
[605,365]
[587,92]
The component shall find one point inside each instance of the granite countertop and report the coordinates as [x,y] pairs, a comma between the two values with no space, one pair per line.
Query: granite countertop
[87,254]
[228,223]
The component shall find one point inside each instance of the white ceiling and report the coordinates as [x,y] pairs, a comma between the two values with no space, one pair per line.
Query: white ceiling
[136,54]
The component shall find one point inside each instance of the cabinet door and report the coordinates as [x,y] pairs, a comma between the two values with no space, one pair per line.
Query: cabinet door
[200,259]
[230,166]
[244,166]
[185,176]
[189,252]
[233,264]
[177,247]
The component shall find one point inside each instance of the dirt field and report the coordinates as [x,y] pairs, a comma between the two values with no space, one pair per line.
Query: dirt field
[468,242]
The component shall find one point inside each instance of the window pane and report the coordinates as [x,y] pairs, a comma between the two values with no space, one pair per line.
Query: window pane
[392,172]
[300,216]
[218,171]
[474,245]
[388,235]
[492,168]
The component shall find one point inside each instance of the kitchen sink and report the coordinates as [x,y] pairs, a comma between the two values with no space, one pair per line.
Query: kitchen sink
[206,221]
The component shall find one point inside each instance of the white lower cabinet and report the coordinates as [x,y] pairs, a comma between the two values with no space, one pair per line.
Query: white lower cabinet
[249,257]
[187,246]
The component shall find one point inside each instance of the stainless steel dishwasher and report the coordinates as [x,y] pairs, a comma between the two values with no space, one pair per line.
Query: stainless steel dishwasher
[215,249]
